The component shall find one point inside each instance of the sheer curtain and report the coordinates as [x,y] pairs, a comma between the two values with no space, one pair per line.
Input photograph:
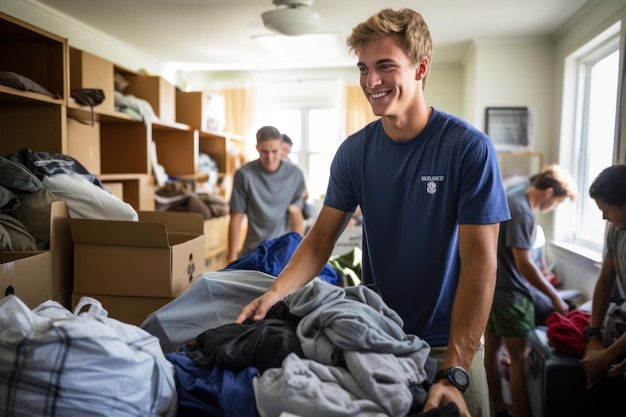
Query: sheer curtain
[239,109]
[358,110]
[239,103]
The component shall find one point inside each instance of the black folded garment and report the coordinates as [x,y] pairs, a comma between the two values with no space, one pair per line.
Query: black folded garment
[20,82]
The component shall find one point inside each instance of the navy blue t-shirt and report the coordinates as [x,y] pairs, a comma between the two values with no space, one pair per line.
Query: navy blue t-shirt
[413,195]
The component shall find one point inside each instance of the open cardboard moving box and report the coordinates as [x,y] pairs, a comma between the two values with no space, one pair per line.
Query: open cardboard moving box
[27,275]
[157,256]
[39,276]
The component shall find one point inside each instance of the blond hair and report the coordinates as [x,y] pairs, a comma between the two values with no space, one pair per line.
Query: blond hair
[558,178]
[408,28]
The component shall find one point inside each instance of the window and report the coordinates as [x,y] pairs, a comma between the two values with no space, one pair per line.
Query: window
[596,69]
[315,133]
[598,130]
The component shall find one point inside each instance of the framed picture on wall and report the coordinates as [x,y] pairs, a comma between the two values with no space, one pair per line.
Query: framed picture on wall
[508,127]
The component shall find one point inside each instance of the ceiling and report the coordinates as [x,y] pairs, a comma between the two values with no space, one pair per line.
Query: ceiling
[219,34]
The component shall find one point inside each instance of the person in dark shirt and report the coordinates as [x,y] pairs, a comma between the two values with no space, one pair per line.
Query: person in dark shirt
[512,315]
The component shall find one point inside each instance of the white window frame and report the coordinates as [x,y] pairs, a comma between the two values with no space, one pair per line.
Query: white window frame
[574,138]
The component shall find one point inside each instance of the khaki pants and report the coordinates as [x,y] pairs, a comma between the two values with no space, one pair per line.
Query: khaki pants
[477,395]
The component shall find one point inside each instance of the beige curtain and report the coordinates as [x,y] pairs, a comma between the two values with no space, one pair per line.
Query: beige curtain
[238,102]
[358,110]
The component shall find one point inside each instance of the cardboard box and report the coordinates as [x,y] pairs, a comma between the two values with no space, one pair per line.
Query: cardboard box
[216,242]
[26,275]
[201,110]
[65,299]
[58,279]
[83,143]
[216,262]
[61,250]
[157,91]
[116,188]
[90,71]
[216,236]
[156,256]
[132,310]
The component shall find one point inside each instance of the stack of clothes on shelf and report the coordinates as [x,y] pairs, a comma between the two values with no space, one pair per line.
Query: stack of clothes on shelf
[31,180]
[23,83]
[181,196]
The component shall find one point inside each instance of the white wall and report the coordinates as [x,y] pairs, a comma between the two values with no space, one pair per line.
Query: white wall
[445,88]
[469,75]
[517,73]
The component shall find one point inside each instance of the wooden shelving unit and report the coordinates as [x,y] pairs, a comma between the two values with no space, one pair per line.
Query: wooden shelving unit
[116,147]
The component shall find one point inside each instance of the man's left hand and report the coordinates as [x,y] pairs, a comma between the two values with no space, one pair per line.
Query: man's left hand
[442,393]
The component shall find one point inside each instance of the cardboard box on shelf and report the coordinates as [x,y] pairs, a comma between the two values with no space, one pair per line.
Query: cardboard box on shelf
[90,71]
[157,256]
[157,91]
[201,110]
[27,275]
[116,188]
[129,309]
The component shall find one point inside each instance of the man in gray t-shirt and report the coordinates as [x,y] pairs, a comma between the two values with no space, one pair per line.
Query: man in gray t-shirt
[512,314]
[263,190]
[608,190]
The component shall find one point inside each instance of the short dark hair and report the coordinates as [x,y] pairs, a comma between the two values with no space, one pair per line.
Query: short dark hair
[610,186]
[287,139]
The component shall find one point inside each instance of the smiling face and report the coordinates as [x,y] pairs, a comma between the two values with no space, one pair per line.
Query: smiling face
[270,154]
[388,79]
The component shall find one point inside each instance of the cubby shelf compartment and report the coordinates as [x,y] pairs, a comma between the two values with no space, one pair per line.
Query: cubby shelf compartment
[30,119]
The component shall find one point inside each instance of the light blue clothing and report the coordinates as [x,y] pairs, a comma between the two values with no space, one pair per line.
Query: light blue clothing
[413,196]
[265,197]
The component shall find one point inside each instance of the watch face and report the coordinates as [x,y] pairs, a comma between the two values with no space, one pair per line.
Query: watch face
[460,377]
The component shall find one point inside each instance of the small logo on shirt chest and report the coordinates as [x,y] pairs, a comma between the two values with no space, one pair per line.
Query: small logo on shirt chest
[431,182]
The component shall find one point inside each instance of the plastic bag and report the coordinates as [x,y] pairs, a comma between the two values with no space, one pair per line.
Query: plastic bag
[57,363]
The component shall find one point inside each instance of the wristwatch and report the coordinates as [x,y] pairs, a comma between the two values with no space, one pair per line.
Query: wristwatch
[456,375]
[592,331]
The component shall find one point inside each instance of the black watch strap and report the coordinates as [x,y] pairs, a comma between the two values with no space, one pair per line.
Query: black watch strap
[456,375]
[592,331]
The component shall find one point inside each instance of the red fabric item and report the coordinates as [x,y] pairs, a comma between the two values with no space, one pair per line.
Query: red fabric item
[566,332]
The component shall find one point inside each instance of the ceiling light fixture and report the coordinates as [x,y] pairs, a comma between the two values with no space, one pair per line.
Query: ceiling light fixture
[293,20]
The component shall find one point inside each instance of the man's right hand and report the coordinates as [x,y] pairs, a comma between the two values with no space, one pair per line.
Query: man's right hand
[258,308]
[560,306]
[593,362]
